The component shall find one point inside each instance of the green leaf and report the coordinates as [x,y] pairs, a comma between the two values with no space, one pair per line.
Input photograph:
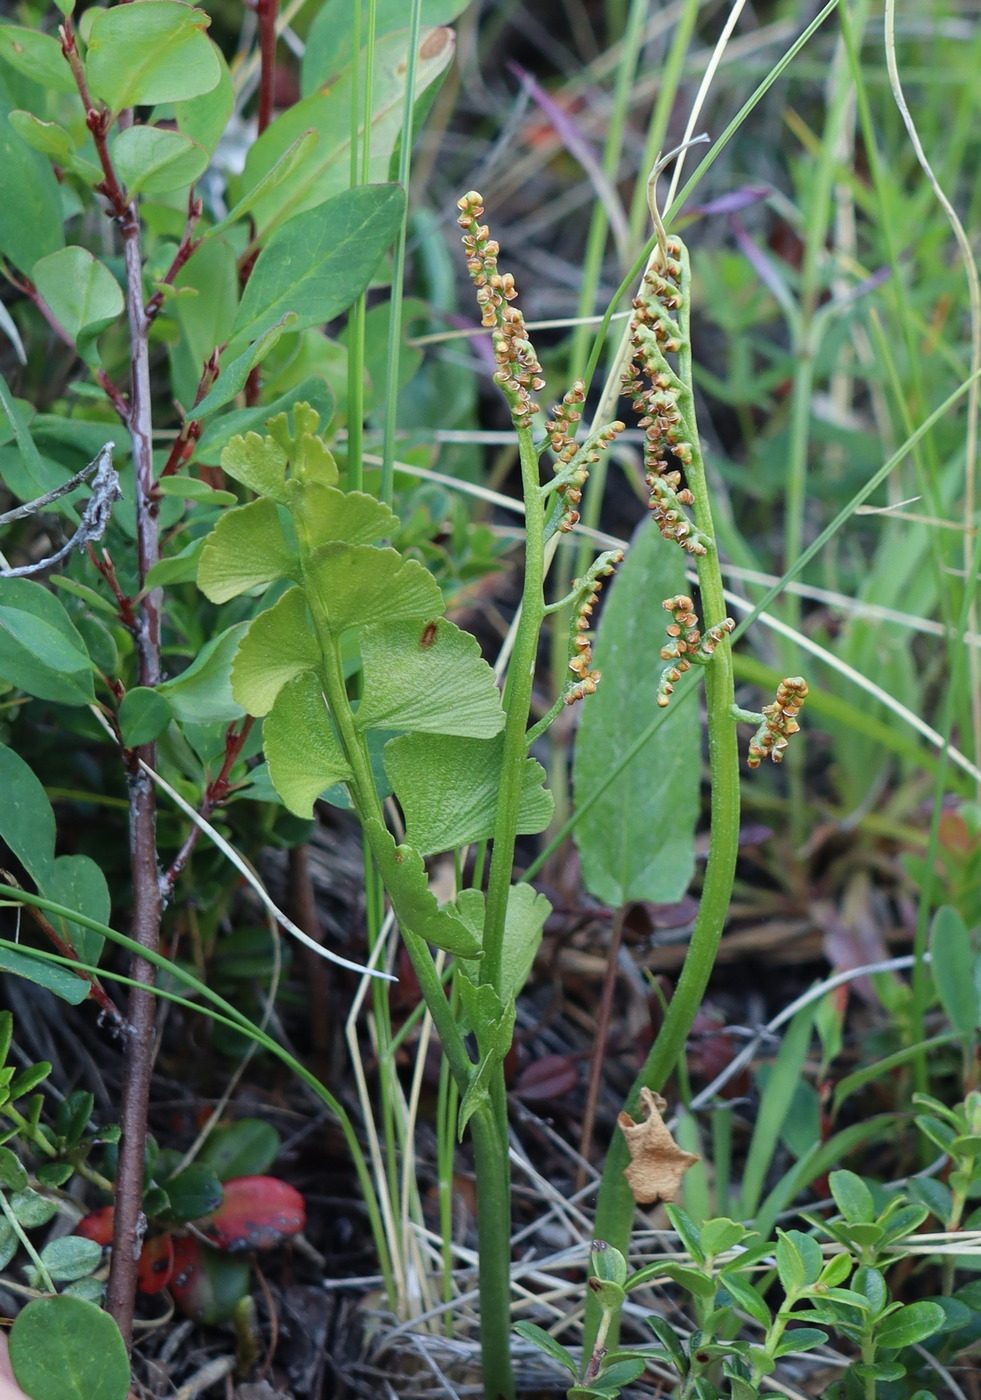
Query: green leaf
[50,645]
[279,174]
[47,137]
[82,293]
[13,1176]
[56,979]
[525,918]
[30,211]
[193,1193]
[27,822]
[143,716]
[953,962]
[790,1264]
[637,840]
[871,1284]
[911,1324]
[78,883]
[361,585]
[302,750]
[327,169]
[31,1209]
[219,433]
[608,1263]
[204,118]
[177,568]
[329,515]
[152,160]
[203,693]
[278,645]
[246,550]
[719,1235]
[232,379]
[258,463]
[68,1349]
[150,51]
[329,41]
[415,905]
[449,786]
[852,1197]
[71,1257]
[545,1342]
[205,319]
[38,56]
[320,262]
[800,1339]
[745,1296]
[27,1080]
[428,678]
[190,488]
[246,1148]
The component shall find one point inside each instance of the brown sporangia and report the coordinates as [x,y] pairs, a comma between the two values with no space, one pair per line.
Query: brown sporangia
[657,1162]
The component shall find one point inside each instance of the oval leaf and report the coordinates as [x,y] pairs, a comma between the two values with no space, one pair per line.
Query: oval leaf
[150,51]
[150,160]
[68,1349]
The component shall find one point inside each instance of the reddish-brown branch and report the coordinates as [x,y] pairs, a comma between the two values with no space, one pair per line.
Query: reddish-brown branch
[215,793]
[187,247]
[191,427]
[129,1222]
[124,605]
[599,1044]
[96,990]
[266,11]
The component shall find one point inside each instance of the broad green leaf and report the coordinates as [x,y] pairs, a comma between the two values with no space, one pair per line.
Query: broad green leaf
[78,883]
[415,905]
[192,1193]
[151,160]
[278,646]
[205,118]
[217,436]
[27,822]
[246,550]
[38,56]
[82,293]
[326,171]
[258,463]
[278,175]
[953,964]
[720,1234]
[177,568]
[203,693]
[523,923]
[41,651]
[320,262]
[852,1197]
[427,678]
[47,137]
[143,716]
[637,840]
[448,788]
[361,585]
[71,1257]
[302,750]
[205,319]
[18,416]
[354,517]
[52,976]
[911,1324]
[329,49]
[68,1349]
[246,1148]
[30,210]
[231,380]
[150,51]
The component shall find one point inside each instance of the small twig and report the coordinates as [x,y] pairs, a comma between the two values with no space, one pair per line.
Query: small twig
[216,792]
[124,604]
[95,517]
[187,247]
[191,427]
[96,991]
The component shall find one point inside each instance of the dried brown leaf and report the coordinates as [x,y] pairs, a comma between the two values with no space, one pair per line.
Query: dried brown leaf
[657,1162]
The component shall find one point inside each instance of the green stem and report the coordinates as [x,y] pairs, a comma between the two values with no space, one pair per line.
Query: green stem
[615,1205]
[517,701]
[494,1248]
